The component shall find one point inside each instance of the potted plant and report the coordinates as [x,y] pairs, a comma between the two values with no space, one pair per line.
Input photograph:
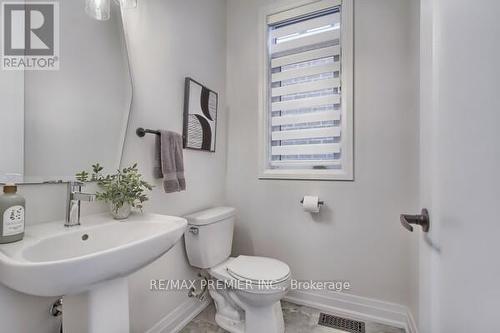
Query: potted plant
[123,190]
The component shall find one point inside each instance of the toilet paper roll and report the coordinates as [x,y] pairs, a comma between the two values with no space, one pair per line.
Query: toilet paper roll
[311,204]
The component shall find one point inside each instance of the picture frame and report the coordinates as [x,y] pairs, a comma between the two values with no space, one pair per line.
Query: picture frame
[200,116]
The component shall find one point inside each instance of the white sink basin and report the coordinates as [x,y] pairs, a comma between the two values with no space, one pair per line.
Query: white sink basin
[53,260]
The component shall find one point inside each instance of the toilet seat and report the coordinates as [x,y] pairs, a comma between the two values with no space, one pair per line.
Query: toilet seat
[255,271]
[258,270]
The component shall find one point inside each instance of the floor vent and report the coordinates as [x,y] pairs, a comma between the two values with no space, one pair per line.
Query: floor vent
[340,323]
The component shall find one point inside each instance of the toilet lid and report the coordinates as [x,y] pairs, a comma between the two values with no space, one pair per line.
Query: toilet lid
[258,270]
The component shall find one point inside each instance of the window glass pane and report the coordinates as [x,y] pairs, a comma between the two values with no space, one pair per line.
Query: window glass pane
[305,90]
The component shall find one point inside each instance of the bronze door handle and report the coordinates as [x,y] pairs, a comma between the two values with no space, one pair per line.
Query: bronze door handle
[421,220]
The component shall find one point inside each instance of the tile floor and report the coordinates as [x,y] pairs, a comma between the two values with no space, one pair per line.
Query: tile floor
[298,319]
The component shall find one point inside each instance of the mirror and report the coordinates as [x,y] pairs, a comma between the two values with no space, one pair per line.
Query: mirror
[56,123]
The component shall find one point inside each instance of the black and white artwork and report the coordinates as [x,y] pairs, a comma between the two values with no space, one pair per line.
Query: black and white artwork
[200,116]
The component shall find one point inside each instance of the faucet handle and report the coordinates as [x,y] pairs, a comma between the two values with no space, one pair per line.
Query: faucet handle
[84,197]
[75,186]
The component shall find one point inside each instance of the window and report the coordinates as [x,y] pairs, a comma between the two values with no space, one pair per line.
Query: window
[307,92]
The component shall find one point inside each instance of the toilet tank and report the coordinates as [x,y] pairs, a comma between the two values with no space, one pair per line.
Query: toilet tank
[209,236]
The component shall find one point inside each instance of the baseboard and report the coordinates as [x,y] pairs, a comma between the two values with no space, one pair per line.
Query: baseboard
[411,324]
[341,304]
[180,317]
[356,307]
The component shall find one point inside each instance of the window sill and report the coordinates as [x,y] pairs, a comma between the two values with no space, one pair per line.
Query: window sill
[326,175]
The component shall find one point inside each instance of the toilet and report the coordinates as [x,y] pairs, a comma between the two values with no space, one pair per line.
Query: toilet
[246,290]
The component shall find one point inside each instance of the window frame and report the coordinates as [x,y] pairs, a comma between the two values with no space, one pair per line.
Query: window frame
[301,8]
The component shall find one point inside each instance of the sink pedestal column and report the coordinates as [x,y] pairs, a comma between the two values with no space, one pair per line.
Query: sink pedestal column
[103,309]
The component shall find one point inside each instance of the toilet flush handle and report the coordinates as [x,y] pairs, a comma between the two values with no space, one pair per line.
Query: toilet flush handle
[194,230]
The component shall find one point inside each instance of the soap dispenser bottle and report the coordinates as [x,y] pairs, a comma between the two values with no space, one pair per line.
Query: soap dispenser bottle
[12,207]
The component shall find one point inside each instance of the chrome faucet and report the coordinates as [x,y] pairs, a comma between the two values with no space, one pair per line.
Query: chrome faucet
[75,197]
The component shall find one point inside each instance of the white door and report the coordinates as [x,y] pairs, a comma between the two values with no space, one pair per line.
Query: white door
[460,162]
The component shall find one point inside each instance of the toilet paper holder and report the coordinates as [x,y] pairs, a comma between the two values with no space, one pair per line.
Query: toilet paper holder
[320,203]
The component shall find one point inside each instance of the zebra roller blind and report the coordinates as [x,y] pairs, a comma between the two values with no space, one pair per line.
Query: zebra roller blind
[305,113]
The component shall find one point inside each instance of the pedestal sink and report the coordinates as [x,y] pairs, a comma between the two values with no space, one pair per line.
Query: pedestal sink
[88,265]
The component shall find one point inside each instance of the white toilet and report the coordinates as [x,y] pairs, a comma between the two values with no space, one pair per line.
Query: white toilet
[246,290]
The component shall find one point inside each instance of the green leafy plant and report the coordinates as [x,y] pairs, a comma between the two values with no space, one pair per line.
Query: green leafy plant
[124,187]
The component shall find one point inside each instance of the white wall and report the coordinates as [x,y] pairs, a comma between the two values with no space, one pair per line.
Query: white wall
[12,120]
[168,41]
[461,158]
[358,236]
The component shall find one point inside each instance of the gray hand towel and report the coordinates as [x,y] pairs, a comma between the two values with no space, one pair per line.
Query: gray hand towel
[170,162]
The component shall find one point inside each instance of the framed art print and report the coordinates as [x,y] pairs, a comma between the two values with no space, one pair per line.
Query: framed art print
[200,116]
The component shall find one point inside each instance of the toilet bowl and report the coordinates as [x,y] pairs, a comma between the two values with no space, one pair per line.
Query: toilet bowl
[246,289]
[255,285]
